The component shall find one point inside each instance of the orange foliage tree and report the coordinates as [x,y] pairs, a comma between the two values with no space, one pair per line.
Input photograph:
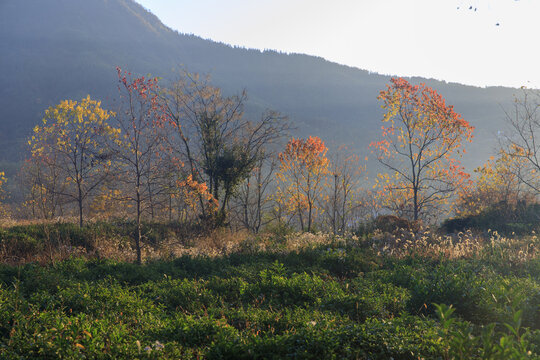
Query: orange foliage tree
[192,191]
[301,177]
[422,138]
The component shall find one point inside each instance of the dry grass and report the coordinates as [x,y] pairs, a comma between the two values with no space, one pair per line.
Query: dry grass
[8,222]
[222,242]
[463,245]
[55,248]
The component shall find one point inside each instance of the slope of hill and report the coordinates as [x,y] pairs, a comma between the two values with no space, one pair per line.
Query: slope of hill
[56,49]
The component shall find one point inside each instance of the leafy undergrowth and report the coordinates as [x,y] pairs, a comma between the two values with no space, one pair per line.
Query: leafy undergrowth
[331,301]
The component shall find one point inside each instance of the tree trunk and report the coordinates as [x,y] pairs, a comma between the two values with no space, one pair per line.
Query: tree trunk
[139,234]
[80,214]
[170,208]
[150,201]
[415,203]
[80,201]
[343,211]
[301,218]
[334,206]
[309,217]
[245,208]
[258,221]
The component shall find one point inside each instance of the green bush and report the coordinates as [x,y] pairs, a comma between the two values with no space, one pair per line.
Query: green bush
[335,301]
[504,218]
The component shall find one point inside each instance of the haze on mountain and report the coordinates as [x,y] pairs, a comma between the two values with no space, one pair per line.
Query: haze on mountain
[64,49]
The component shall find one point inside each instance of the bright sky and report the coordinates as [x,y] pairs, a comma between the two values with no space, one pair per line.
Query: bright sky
[442,39]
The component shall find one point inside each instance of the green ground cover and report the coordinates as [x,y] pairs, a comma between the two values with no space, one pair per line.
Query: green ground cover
[334,301]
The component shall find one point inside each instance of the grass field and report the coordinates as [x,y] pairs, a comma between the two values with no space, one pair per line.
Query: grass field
[305,297]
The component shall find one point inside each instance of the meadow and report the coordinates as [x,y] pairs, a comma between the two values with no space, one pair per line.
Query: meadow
[279,295]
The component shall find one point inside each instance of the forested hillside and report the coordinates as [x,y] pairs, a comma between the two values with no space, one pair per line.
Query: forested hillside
[57,49]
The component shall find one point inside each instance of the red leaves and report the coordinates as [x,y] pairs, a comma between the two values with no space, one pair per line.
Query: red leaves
[144,89]
[421,107]
[423,100]
[418,146]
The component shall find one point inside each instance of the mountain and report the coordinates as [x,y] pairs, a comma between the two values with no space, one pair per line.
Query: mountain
[56,49]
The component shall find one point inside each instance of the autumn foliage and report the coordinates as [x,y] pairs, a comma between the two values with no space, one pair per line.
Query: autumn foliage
[421,141]
[497,183]
[301,177]
[190,155]
[69,145]
[192,191]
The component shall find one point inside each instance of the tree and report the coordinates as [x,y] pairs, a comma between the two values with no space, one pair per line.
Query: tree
[190,193]
[213,138]
[522,142]
[137,153]
[421,138]
[71,144]
[253,202]
[343,188]
[2,195]
[42,185]
[301,177]
[497,184]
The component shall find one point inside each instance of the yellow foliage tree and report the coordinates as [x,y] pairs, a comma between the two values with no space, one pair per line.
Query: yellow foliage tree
[72,140]
[497,182]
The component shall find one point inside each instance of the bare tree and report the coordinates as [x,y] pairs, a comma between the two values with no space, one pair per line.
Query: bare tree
[252,205]
[212,136]
[43,187]
[523,141]
[139,117]
[343,189]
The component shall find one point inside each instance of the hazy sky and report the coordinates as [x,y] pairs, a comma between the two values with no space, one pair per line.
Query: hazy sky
[443,39]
